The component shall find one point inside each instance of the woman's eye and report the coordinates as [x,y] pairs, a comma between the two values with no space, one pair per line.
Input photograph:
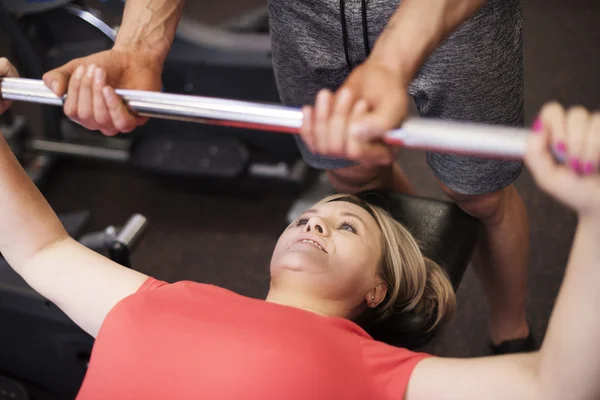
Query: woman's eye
[301,221]
[348,227]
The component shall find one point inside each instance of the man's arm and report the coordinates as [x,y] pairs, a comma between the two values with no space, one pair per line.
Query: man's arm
[416,29]
[149,27]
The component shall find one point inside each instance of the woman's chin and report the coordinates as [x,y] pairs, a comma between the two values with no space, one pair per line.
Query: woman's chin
[300,261]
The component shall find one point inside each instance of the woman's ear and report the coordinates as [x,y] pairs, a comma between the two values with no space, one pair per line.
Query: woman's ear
[376,295]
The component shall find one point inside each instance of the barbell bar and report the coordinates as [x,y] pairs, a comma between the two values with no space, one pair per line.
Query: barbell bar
[490,141]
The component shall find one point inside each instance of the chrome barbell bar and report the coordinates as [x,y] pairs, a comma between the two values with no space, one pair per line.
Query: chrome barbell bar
[482,140]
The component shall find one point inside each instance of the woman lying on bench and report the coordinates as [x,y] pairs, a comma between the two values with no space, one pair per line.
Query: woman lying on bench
[339,260]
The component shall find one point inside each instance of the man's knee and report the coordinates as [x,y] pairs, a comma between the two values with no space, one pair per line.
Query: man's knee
[487,207]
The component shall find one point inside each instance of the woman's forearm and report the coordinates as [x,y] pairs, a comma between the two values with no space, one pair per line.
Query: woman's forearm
[569,357]
[149,27]
[416,29]
[27,222]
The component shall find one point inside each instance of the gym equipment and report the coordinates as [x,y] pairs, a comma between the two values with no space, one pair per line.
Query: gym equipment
[231,60]
[425,134]
[43,354]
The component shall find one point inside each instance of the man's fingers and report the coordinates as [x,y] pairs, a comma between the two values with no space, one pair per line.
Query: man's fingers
[73,93]
[370,127]
[359,110]
[338,125]
[121,117]
[7,69]
[100,110]
[58,79]
[306,130]
[321,121]
[368,153]
[385,115]
[85,112]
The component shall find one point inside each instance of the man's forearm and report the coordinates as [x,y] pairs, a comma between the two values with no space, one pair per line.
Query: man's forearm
[27,222]
[149,26]
[570,360]
[417,28]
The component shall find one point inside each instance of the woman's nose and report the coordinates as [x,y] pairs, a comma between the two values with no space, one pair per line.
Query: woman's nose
[317,225]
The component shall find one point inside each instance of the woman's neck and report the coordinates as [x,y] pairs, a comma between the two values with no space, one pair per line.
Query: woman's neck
[318,306]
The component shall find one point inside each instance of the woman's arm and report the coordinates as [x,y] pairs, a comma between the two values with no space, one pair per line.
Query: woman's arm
[492,378]
[569,357]
[82,283]
[568,364]
[566,367]
[33,241]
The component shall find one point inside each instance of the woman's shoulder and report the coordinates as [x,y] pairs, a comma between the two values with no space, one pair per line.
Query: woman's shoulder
[186,286]
[390,366]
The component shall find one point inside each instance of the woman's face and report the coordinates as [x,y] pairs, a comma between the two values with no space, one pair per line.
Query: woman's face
[330,253]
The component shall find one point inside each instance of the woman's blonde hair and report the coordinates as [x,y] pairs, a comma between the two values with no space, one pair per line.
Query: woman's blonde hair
[415,283]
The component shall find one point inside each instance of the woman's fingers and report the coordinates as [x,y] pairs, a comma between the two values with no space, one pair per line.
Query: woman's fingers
[577,123]
[590,158]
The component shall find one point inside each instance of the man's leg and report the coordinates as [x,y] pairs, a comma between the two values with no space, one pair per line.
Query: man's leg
[500,259]
[477,75]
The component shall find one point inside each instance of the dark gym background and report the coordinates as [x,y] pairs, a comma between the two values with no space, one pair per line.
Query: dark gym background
[226,239]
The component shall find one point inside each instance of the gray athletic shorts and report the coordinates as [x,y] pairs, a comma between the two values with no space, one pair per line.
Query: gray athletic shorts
[476,75]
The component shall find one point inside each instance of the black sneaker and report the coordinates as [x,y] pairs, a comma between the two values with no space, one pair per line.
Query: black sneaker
[525,345]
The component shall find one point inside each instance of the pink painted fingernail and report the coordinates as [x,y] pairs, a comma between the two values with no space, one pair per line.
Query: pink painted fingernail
[575,165]
[560,149]
[537,125]
[589,168]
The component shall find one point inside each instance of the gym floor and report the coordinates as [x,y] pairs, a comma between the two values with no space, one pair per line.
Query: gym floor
[226,239]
